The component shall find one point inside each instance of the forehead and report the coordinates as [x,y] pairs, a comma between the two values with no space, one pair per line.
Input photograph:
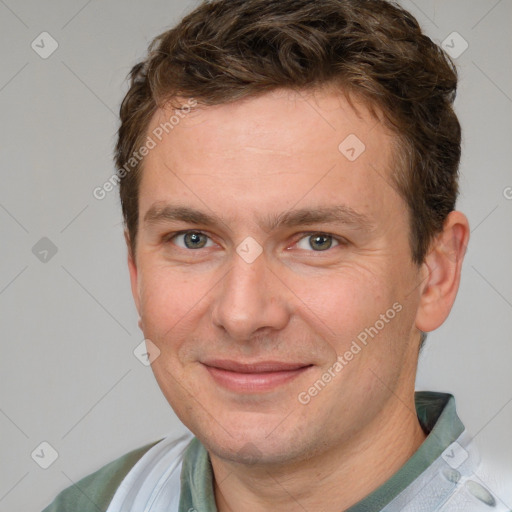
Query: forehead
[272,150]
[278,119]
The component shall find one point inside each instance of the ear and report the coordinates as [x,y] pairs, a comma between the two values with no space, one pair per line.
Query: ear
[441,272]
[132,268]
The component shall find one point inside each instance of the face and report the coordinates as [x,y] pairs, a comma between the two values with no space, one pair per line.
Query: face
[274,274]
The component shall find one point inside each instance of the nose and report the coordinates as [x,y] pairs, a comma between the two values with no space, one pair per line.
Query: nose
[251,300]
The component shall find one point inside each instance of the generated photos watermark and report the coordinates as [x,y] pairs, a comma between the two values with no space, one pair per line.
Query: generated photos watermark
[151,142]
[357,345]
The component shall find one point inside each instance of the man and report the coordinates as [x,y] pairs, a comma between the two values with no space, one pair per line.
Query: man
[288,177]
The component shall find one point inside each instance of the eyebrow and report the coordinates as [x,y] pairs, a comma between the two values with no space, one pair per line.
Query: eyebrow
[160,213]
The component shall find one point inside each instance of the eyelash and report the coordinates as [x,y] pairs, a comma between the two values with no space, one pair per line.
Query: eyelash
[340,241]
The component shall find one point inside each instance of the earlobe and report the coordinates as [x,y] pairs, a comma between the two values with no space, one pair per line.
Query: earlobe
[441,271]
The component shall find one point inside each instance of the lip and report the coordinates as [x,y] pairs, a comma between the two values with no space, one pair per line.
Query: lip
[254,376]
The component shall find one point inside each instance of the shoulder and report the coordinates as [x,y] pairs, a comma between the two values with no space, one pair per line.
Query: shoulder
[94,492]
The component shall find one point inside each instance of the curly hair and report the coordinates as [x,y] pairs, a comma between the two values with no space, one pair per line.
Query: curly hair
[226,50]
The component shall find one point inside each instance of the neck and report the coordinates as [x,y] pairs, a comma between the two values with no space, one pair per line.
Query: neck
[342,476]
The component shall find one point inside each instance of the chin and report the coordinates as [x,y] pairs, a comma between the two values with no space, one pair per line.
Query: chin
[247,452]
[253,442]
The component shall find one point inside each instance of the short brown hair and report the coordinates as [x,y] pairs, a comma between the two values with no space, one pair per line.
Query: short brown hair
[231,49]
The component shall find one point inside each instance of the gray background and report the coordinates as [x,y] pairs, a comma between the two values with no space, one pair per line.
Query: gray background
[69,328]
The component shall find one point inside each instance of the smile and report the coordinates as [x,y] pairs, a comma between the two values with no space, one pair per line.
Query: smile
[254,377]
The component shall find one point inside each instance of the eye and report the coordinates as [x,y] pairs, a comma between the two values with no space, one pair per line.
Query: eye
[191,240]
[318,242]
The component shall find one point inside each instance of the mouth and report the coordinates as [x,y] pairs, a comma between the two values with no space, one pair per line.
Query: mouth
[253,377]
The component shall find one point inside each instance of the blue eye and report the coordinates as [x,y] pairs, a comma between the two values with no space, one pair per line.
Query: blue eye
[318,242]
[192,240]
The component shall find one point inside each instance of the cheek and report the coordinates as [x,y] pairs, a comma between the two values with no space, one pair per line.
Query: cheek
[345,301]
[170,311]
[168,301]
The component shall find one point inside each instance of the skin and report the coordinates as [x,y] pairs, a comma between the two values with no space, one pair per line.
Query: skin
[247,162]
